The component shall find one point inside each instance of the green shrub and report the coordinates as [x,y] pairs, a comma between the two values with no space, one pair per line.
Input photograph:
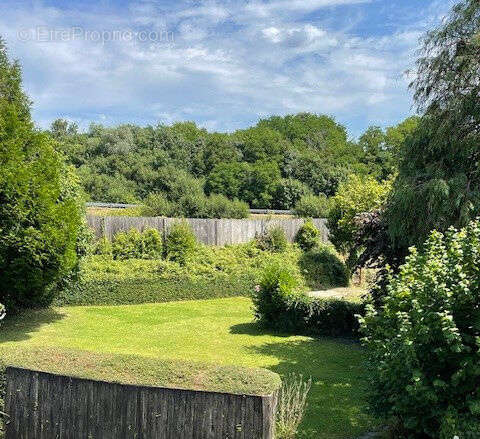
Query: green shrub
[308,236]
[210,272]
[279,307]
[180,242]
[127,245]
[103,247]
[219,206]
[323,268]
[273,240]
[311,206]
[136,290]
[133,245]
[156,204]
[424,348]
[152,245]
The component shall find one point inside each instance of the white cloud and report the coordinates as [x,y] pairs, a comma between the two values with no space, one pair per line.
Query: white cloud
[227,67]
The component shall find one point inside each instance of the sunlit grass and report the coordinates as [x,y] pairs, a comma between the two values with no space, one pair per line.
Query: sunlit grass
[219,331]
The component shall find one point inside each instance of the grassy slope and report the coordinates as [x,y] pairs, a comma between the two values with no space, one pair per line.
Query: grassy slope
[139,370]
[215,331]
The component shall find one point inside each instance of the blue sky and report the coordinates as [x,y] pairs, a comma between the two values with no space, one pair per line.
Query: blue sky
[223,64]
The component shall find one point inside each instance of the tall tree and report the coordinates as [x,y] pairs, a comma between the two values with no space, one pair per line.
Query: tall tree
[40,212]
[439,174]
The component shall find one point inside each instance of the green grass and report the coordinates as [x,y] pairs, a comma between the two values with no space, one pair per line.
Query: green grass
[138,370]
[219,331]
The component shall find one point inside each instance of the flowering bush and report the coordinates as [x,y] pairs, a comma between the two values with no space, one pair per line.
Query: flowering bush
[424,342]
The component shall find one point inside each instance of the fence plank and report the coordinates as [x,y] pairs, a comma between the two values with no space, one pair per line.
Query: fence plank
[207,231]
[46,406]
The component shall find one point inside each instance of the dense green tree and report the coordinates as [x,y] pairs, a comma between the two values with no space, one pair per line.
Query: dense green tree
[227,179]
[289,191]
[127,163]
[40,211]
[439,174]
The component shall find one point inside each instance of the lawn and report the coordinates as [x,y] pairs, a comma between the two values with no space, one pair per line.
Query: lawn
[219,331]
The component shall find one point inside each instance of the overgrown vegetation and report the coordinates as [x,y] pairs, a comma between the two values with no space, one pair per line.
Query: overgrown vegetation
[133,245]
[207,272]
[423,344]
[180,243]
[273,239]
[312,206]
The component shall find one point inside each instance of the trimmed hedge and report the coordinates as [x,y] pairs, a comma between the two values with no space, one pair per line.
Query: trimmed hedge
[130,369]
[279,306]
[154,290]
[302,314]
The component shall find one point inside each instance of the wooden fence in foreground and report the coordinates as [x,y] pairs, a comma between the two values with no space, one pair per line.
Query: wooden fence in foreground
[48,406]
[208,231]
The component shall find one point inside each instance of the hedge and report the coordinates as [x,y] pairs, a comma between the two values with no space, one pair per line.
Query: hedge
[154,290]
[306,315]
[281,306]
[130,369]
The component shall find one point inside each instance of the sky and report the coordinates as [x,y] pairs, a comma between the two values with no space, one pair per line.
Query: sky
[224,64]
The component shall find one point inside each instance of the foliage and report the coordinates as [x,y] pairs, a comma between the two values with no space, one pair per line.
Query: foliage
[312,206]
[273,239]
[180,242]
[355,196]
[382,147]
[40,204]
[438,181]
[195,206]
[269,165]
[423,343]
[210,272]
[156,204]
[276,285]
[292,402]
[280,307]
[219,206]
[135,245]
[322,268]
[308,236]
[288,193]
[103,247]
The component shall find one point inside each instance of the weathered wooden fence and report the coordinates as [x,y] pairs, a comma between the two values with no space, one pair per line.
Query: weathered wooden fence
[47,406]
[209,231]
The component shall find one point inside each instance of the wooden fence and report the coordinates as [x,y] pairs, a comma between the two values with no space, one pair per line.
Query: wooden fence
[48,406]
[208,231]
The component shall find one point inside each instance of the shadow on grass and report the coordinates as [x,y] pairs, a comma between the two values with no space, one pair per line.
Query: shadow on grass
[336,403]
[254,328]
[20,326]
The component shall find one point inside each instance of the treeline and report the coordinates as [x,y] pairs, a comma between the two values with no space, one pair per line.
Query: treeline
[273,164]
